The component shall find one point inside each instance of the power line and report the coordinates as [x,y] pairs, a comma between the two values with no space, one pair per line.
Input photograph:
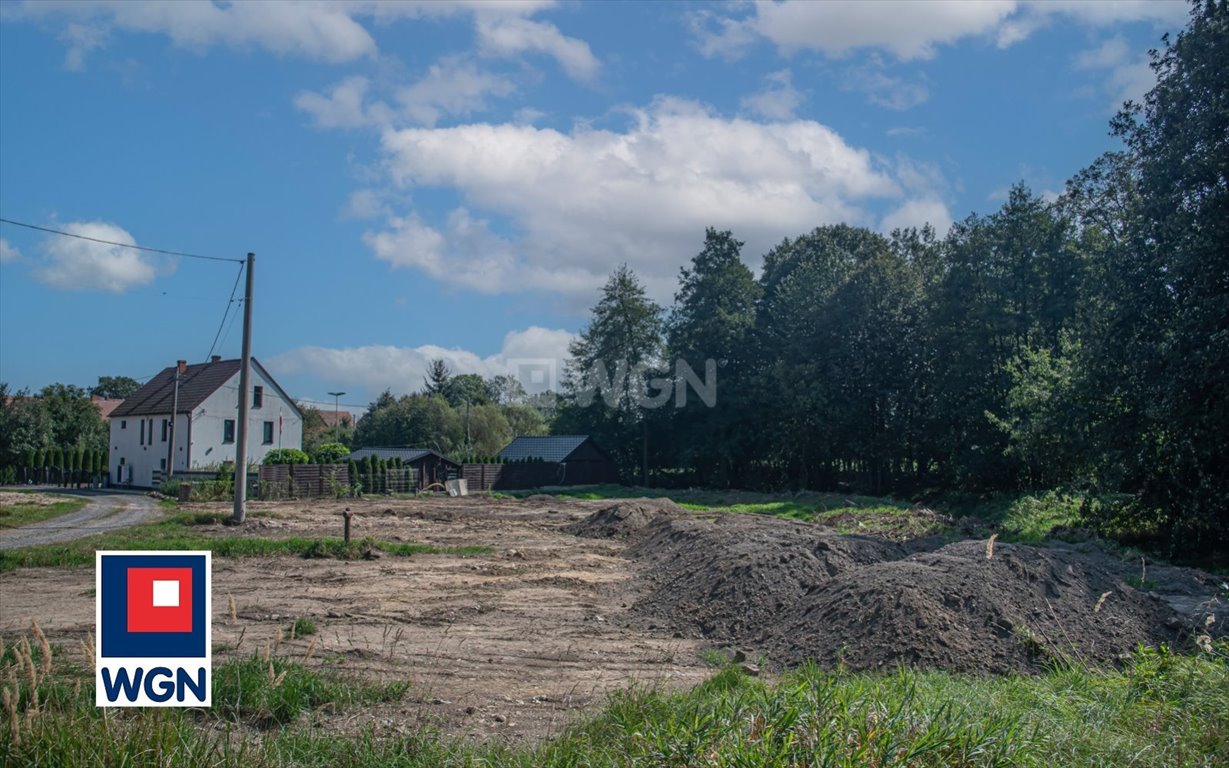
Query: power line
[230,302]
[121,245]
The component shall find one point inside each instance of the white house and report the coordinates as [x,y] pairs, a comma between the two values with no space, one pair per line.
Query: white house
[205,399]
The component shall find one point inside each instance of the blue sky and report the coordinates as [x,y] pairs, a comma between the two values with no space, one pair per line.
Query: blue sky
[456,180]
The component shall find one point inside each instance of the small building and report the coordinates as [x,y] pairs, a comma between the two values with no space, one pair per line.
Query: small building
[429,467]
[580,460]
[204,423]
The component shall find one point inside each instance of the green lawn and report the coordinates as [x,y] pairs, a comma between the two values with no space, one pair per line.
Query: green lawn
[17,515]
[180,530]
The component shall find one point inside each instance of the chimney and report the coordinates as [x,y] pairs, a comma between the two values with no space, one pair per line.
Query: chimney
[181,366]
[215,359]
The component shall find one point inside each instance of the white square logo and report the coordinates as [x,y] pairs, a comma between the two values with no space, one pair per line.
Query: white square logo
[166,594]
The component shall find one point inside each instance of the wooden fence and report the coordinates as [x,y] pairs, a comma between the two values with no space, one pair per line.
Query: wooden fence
[509,477]
[299,481]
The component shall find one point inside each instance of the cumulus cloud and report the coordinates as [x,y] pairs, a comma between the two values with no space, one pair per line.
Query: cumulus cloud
[8,252]
[917,213]
[82,265]
[326,30]
[534,355]
[778,100]
[1128,75]
[503,35]
[343,106]
[554,211]
[451,87]
[318,30]
[907,29]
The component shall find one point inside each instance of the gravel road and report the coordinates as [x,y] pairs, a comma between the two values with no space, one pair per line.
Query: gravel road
[105,512]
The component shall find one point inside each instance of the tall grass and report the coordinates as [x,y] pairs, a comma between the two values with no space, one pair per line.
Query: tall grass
[1159,710]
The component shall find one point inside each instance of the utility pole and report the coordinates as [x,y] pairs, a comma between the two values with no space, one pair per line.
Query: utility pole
[336,417]
[170,451]
[245,371]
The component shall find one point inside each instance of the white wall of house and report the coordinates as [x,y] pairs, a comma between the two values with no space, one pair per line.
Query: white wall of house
[139,445]
[201,437]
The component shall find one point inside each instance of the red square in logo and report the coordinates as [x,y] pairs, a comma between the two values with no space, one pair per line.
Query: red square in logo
[159,599]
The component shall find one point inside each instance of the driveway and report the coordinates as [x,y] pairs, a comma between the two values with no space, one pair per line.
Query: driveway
[106,511]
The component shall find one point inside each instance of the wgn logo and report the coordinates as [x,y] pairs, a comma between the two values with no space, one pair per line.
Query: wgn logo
[154,635]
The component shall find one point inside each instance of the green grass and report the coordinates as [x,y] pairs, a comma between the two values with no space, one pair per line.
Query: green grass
[1159,710]
[17,515]
[1025,517]
[847,513]
[177,532]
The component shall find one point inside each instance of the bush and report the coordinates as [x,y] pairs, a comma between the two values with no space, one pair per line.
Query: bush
[330,453]
[286,456]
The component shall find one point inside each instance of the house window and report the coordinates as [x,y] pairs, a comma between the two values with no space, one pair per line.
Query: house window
[228,431]
[258,397]
[123,423]
[165,424]
[162,464]
[142,440]
[268,433]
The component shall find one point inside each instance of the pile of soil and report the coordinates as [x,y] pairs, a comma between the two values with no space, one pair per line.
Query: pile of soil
[797,591]
[736,577]
[955,609]
[624,519]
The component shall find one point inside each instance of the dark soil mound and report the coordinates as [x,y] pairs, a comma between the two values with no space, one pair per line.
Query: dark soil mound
[738,577]
[622,520]
[798,591]
[955,609]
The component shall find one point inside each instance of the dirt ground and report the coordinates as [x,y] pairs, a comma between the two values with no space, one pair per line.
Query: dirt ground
[577,599]
[512,644]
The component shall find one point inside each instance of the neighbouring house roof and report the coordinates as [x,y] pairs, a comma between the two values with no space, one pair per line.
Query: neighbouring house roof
[197,383]
[105,405]
[407,455]
[331,418]
[546,448]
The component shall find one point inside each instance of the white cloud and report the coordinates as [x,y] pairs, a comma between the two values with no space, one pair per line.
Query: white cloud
[778,100]
[916,213]
[326,30]
[344,106]
[80,39]
[501,35]
[402,369]
[366,204]
[545,210]
[8,252]
[1129,76]
[883,89]
[451,87]
[82,265]
[908,29]
[318,30]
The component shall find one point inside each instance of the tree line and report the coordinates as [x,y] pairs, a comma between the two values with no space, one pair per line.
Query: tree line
[56,435]
[463,415]
[1079,343]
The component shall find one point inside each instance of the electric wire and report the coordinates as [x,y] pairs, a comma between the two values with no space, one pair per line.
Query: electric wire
[121,245]
[230,302]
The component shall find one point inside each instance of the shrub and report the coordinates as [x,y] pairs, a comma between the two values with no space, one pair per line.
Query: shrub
[286,456]
[329,453]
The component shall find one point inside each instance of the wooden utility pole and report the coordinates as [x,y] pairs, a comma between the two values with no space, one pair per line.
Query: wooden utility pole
[245,370]
[170,451]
